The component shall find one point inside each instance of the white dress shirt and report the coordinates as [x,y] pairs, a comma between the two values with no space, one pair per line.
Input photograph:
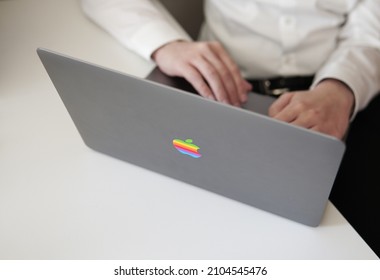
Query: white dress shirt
[267,38]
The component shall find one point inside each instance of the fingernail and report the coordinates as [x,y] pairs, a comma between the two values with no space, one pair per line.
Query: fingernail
[244,98]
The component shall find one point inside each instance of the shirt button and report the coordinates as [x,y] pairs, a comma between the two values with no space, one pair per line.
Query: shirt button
[288,21]
[288,59]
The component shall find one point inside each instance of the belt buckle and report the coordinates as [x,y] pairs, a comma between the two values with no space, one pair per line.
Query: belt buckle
[266,85]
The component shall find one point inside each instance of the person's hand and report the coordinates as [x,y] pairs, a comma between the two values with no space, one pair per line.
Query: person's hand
[207,67]
[326,108]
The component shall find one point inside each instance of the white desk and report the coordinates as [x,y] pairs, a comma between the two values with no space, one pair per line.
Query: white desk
[61,200]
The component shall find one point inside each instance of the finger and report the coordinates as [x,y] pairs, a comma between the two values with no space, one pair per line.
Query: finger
[195,78]
[211,75]
[280,104]
[303,120]
[227,80]
[247,86]
[288,114]
[240,83]
[225,76]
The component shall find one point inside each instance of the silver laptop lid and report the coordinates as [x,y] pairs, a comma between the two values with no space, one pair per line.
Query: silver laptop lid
[233,152]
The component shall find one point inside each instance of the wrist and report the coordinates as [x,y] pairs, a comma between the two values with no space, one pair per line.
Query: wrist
[163,47]
[340,90]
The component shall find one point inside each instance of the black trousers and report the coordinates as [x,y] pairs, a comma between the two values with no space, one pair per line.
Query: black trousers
[356,191]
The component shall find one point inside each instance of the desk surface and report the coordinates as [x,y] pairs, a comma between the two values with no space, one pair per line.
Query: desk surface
[61,200]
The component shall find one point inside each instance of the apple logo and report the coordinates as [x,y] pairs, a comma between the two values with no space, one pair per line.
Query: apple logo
[187,147]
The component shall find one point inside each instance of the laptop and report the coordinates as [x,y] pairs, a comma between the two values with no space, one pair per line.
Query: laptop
[234,152]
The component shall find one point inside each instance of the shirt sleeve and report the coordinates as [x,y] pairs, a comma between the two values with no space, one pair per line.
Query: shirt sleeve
[356,61]
[142,26]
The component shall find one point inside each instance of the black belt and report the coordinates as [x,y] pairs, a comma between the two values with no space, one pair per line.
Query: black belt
[277,86]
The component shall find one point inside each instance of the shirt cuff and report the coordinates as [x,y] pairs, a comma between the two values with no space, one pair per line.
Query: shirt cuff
[154,35]
[345,75]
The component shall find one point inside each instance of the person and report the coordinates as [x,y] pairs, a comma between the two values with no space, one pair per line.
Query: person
[337,41]
[330,47]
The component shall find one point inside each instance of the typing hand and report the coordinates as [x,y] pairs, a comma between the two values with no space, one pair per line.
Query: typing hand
[207,66]
[326,108]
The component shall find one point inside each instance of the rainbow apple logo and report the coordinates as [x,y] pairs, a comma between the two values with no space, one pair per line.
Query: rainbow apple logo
[187,147]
